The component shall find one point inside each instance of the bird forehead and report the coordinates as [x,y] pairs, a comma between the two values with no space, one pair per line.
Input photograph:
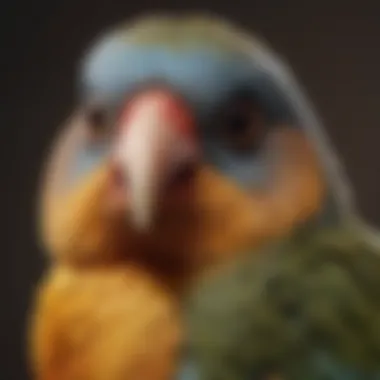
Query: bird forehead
[204,76]
[180,32]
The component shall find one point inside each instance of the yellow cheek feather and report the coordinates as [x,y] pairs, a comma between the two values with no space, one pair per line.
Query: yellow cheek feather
[232,219]
[75,225]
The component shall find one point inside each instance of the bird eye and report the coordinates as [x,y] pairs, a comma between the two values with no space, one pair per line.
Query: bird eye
[244,126]
[97,120]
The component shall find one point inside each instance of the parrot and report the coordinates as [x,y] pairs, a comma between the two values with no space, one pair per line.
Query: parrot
[198,224]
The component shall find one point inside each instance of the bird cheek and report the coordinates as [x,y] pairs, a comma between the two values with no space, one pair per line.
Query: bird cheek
[75,226]
[85,162]
[298,186]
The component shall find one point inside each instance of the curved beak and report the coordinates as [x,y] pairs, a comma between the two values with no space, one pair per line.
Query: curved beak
[155,140]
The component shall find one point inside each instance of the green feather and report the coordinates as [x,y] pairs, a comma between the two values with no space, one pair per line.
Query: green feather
[317,292]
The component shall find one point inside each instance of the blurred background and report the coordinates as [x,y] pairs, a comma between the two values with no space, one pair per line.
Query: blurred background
[333,46]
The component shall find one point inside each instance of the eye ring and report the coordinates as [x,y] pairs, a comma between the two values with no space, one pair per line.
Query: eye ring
[96,119]
[244,125]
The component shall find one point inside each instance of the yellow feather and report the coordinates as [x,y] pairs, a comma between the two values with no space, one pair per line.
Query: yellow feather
[104,323]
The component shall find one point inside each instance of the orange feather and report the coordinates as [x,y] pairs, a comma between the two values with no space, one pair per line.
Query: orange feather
[104,323]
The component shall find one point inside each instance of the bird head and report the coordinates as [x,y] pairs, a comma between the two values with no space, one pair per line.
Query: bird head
[191,139]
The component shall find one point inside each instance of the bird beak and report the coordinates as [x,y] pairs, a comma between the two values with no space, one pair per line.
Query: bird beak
[155,139]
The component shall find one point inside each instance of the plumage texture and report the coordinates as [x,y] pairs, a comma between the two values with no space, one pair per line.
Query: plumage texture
[104,323]
[307,308]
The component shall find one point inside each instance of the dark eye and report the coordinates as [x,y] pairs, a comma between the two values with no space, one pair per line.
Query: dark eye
[243,126]
[97,120]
